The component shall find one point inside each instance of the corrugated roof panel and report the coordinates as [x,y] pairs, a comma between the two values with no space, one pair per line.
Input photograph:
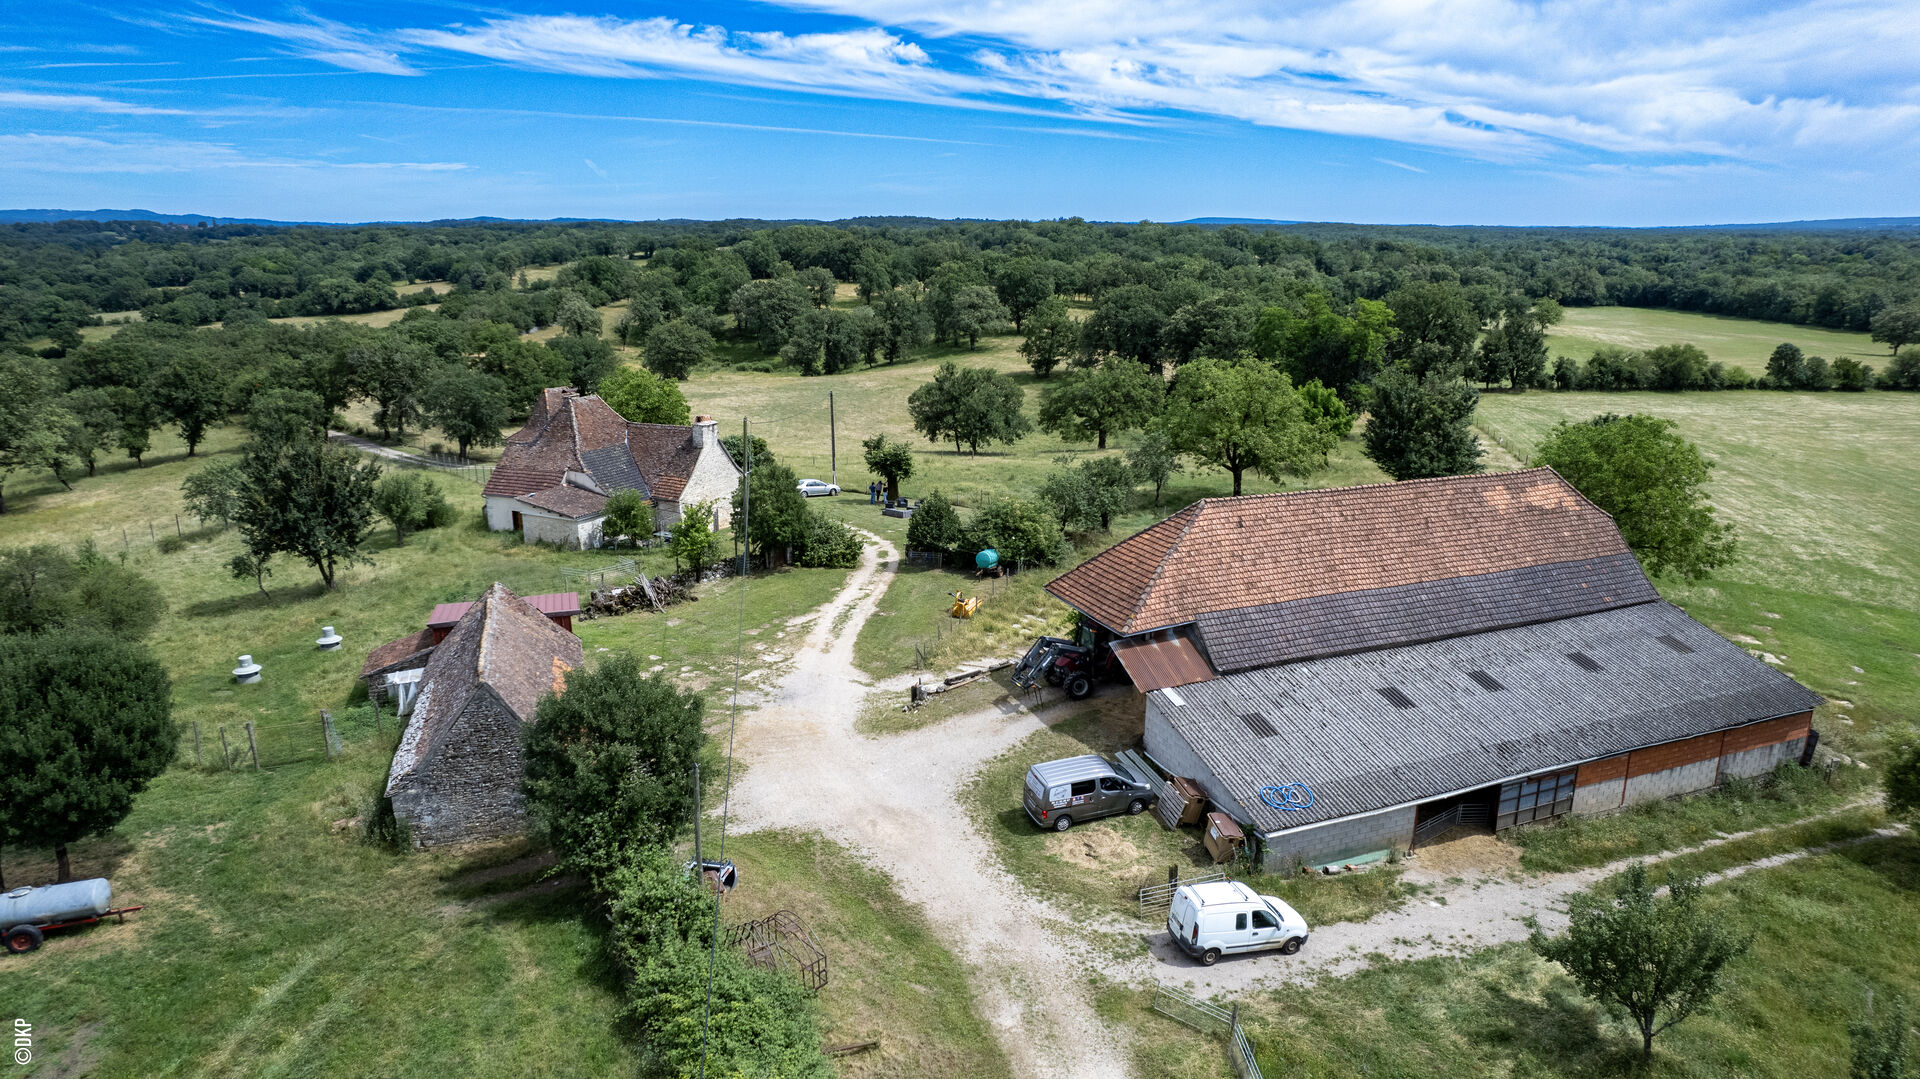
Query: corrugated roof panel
[1357,752]
[1158,664]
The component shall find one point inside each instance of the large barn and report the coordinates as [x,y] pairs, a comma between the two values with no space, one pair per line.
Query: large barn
[1355,670]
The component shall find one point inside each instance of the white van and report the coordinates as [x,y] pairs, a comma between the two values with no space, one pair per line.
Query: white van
[1222,917]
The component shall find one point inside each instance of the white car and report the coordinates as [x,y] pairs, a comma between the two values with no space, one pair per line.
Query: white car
[1221,917]
[811,488]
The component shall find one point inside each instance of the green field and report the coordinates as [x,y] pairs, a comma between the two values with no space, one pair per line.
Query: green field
[1736,342]
[1824,491]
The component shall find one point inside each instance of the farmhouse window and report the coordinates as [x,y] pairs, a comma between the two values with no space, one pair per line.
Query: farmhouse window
[1535,798]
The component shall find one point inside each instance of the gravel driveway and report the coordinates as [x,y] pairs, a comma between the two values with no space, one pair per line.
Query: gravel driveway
[895,799]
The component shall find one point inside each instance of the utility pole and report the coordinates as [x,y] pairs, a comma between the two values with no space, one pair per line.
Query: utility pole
[833,444]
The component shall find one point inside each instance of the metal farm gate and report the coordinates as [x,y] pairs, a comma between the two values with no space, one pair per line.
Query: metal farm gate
[1209,1018]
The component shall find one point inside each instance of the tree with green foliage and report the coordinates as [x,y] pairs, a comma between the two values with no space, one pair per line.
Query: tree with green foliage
[1438,327]
[1022,284]
[1851,375]
[391,369]
[1514,347]
[1089,404]
[971,406]
[1653,959]
[693,539]
[1155,460]
[1088,497]
[45,590]
[738,446]
[768,309]
[972,312]
[1240,415]
[1880,1049]
[303,497]
[640,396]
[609,762]
[629,515]
[1903,373]
[136,421]
[469,406]
[1786,367]
[1421,428]
[904,324]
[86,721]
[1653,482]
[827,544]
[409,501]
[1897,326]
[95,428]
[1051,336]
[888,458]
[187,391]
[524,367]
[576,317]
[1326,410]
[1021,530]
[1678,367]
[586,360]
[934,525]
[676,347]
[779,511]
[31,434]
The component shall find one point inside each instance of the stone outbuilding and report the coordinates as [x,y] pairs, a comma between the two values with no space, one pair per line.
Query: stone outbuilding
[556,473]
[1347,672]
[456,775]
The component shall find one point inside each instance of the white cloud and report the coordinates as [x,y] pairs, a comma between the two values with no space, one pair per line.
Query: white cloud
[20,99]
[319,39]
[33,152]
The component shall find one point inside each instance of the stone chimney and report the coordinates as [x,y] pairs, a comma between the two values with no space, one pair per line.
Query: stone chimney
[706,431]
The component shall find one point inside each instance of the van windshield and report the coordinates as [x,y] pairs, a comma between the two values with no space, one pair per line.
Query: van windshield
[1121,771]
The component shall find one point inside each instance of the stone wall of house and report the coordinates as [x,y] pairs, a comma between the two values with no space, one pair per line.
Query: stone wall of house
[714,477]
[561,531]
[471,789]
[500,511]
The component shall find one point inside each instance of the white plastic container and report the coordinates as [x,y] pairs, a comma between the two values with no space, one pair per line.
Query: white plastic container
[55,903]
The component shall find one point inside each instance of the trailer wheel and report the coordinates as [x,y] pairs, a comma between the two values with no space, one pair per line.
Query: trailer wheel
[1079,687]
[22,939]
[1292,946]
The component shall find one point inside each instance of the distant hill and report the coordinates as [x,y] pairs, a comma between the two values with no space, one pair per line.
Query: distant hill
[1838,224]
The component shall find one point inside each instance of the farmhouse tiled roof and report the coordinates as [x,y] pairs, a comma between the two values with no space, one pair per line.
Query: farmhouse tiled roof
[1229,554]
[568,501]
[1471,711]
[503,644]
[551,604]
[569,433]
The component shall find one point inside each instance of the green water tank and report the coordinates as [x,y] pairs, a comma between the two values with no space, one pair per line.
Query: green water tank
[987,559]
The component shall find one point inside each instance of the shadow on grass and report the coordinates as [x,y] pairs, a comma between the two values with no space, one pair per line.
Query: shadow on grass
[1895,859]
[1561,1027]
[254,601]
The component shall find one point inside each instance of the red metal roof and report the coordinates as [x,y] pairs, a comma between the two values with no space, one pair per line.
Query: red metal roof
[1160,664]
[549,604]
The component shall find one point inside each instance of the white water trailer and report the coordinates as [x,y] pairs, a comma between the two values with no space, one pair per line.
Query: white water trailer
[27,914]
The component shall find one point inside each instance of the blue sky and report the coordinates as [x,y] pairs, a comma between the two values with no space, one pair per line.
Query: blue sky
[1456,111]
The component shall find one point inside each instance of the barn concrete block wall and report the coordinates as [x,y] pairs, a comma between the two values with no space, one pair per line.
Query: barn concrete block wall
[1171,752]
[1689,765]
[1685,779]
[472,791]
[1336,840]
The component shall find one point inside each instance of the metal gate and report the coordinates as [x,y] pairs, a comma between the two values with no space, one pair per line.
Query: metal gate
[1156,898]
[1209,1019]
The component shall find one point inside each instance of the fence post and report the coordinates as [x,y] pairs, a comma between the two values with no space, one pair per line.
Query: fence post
[176,527]
[151,538]
[124,545]
[326,732]
[253,747]
[226,755]
[196,743]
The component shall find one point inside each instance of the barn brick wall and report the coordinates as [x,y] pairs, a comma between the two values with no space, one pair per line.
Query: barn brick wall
[1337,840]
[1689,765]
[1605,770]
[471,790]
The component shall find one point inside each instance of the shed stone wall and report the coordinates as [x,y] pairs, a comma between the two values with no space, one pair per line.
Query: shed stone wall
[471,789]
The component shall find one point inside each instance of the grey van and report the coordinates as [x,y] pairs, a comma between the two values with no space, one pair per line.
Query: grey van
[1062,793]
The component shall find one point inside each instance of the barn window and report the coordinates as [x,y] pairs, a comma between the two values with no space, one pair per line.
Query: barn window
[1258,724]
[1535,798]
[1487,681]
[1583,661]
[1395,697]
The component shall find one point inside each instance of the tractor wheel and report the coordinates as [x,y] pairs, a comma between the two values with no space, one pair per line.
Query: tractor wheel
[22,939]
[1079,687]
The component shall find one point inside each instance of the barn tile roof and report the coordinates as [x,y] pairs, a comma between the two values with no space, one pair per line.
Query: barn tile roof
[502,643]
[1224,554]
[395,654]
[550,604]
[510,481]
[567,501]
[1357,750]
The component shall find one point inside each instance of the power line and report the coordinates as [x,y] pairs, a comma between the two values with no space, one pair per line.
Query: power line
[733,721]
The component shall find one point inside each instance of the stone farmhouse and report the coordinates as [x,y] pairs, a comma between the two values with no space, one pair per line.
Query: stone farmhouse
[393,671]
[554,476]
[456,775]
[1355,670]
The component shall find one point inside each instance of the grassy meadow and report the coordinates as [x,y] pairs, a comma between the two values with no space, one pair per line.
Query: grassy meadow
[1737,342]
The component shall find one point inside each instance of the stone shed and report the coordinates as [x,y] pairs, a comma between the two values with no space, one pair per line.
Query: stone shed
[456,775]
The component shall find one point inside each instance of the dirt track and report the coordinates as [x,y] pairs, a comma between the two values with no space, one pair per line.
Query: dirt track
[895,799]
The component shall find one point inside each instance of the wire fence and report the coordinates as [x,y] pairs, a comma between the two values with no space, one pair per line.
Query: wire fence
[218,747]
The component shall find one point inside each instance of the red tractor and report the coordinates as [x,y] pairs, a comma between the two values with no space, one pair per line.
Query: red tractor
[1072,667]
